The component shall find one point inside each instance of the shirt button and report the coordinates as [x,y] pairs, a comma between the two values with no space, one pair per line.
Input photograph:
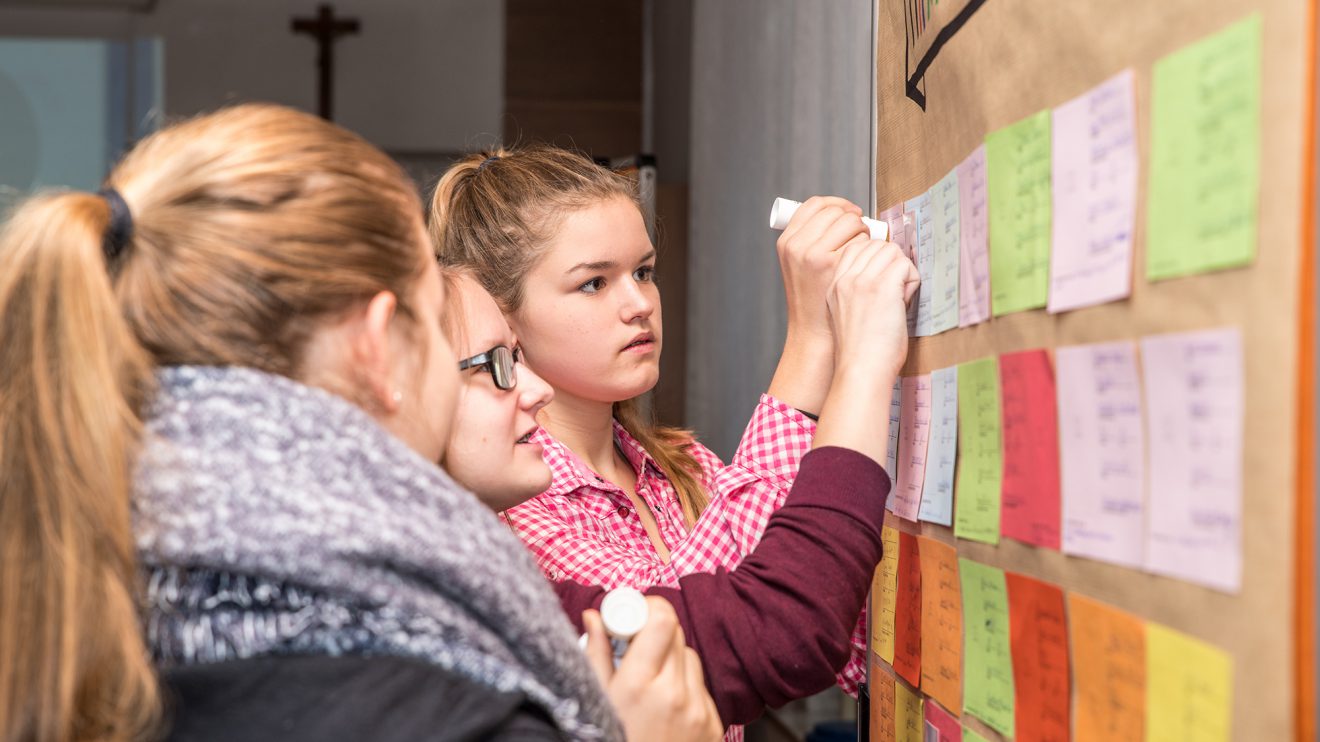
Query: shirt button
[622,511]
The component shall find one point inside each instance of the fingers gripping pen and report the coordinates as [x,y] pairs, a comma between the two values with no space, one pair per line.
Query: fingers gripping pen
[624,613]
[783,210]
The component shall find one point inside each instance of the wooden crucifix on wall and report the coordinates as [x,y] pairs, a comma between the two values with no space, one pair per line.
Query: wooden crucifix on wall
[326,29]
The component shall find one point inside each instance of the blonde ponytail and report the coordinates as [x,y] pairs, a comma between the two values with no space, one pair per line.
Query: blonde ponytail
[72,379]
[252,227]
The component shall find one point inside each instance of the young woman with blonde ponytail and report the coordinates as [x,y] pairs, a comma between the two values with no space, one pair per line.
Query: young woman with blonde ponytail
[561,245]
[224,391]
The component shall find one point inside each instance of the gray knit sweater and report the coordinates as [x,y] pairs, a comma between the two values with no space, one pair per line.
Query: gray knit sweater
[273,517]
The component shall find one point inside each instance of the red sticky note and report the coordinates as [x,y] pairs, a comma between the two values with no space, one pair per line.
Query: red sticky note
[1030,503]
[884,724]
[1038,626]
[907,611]
[945,723]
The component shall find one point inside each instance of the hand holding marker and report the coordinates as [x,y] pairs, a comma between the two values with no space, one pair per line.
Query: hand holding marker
[783,210]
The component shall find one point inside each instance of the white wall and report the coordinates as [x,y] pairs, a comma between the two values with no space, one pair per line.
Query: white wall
[423,75]
[781,106]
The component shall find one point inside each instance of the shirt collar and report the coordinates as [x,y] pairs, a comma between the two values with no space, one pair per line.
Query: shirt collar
[570,473]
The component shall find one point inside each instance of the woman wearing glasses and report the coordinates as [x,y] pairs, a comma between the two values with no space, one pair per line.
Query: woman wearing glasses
[241,338]
[561,245]
[777,628]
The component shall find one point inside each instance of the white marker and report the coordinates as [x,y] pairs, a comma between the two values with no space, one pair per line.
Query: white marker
[624,613]
[783,210]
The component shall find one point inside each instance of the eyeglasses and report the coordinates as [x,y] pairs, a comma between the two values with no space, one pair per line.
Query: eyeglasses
[500,362]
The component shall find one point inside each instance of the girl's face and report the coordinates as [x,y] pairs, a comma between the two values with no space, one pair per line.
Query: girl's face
[590,318]
[488,452]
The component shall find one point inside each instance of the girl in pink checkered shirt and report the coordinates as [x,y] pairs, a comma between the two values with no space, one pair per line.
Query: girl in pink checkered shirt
[561,244]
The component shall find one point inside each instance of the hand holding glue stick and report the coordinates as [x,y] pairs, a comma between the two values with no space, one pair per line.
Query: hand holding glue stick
[657,689]
[623,613]
[783,209]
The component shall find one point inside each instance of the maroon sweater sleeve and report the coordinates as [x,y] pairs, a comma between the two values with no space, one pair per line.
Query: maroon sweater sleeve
[778,627]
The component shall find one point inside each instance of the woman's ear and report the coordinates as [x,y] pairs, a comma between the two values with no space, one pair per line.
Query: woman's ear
[373,352]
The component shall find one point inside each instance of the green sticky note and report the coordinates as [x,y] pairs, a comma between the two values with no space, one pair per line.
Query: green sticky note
[970,735]
[980,452]
[1017,166]
[988,668]
[1205,155]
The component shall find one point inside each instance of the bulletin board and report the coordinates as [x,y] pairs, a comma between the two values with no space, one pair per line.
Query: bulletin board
[951,72]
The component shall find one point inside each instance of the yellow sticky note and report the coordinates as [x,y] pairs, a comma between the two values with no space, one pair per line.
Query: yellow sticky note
[1189,688]
[908,716]
[884,596]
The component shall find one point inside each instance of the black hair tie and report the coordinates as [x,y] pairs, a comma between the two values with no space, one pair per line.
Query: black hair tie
[120,229]
[486,162]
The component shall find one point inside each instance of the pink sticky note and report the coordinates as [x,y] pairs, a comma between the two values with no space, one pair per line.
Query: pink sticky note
[1029,503]
[973,241]
[1094,160]
[945,724]
[1194,406]
[1101,452]
[903,232]
[913,440]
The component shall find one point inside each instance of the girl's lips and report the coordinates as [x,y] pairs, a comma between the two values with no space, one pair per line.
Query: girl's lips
[645,339]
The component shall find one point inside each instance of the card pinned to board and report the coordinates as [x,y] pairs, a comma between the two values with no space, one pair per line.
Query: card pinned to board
[942,449]
[913,441]
[1101,452]
[907,614]
[1195,405]
[1204,183]
[988,670]
[1094,160]
[941,624]
[1039,628]
[884,597]
[1030,487]
[1189,687]
[1109,671]
[973,241]
[883,702]
[946,726]
[980,452]
[946,217]
[1017,164]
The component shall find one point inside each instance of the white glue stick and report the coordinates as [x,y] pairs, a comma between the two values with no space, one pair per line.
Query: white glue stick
[624,613]
[783,210]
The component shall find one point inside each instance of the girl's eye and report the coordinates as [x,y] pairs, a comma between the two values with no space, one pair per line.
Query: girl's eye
[645,273]
[592,286]
[518,354]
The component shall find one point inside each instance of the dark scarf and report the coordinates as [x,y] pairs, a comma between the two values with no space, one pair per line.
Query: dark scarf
[274,517]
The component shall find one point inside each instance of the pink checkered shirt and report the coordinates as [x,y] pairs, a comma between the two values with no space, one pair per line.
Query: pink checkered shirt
[585,528]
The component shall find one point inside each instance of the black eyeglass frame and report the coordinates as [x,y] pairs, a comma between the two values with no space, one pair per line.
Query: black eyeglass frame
[501,362]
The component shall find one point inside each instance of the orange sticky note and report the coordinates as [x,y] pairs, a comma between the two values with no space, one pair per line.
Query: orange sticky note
[941,624]
[1039,628]
[883,723]
[907,614]
[1109,669]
